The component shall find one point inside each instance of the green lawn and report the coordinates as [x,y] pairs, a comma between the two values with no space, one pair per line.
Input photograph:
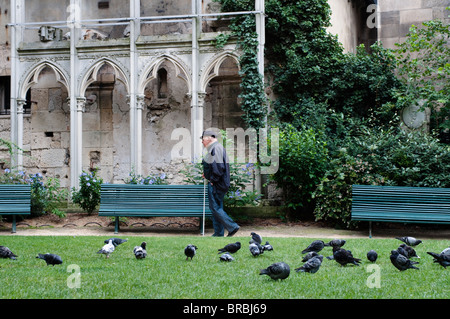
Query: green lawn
[166,274]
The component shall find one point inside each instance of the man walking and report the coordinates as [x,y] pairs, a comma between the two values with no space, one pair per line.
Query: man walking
[216,170]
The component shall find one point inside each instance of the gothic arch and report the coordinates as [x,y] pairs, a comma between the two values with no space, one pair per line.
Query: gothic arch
[92,73]
[211,69]
[151,72]
[32,77]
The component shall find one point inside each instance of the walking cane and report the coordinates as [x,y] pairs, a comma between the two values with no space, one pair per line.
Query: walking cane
[204,203]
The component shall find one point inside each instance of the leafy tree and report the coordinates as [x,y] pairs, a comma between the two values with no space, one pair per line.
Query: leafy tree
[423,62]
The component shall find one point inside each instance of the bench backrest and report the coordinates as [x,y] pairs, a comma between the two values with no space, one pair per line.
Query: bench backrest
[15,199]
[131,198]
[401,204]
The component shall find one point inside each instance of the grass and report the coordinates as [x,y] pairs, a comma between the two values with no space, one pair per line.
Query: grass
[166,274]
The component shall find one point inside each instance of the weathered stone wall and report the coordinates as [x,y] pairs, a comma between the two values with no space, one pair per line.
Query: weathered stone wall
[396,17]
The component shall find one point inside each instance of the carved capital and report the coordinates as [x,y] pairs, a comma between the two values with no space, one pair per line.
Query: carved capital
[81,103]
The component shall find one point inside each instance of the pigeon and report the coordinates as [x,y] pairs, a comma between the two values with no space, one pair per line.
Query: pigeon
[256,238]
[443,258]
[231,248]
[256,249]
[312,265]
[140,252]
[344,257]
[107,249]
[50,259]
[190,251]
[316,246]
[268,246]
[309,255]
[226,257]
[372,255]
[277,271]
[5,252]
[116,241]
[335,243]
[401,262]
[411,241]
[410,252]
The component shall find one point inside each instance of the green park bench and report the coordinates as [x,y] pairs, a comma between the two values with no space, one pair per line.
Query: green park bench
[135,200]
[15,199]
[400,204]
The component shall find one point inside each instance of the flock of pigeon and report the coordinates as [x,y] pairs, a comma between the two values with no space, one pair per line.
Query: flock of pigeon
[108,248]
[400,258]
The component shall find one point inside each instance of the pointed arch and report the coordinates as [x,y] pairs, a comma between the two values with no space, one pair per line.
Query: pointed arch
[32,77]
[212,68]
[151,72]
[91,74]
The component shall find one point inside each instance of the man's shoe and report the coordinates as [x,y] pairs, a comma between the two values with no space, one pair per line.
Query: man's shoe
[234,231]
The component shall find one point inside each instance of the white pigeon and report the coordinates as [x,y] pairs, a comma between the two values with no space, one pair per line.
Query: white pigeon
[107,249]
[140,251]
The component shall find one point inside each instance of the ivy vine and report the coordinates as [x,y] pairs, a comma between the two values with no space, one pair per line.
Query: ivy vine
[254,102]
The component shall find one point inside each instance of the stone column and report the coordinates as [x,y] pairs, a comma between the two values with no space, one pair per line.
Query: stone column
[135,113]
[17,18]
[196,109]
[19,111]
[260,30]
[76,103]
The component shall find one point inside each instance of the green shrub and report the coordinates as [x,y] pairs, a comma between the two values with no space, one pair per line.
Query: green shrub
[303,160]
[334,194]
[88,195]
[405,158]
[148,180]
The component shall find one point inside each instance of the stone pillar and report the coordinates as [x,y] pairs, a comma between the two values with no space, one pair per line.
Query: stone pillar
[260,30]
[135,110]
[17,18]
[140,102]
[196,109]
[76,103]
[19,111]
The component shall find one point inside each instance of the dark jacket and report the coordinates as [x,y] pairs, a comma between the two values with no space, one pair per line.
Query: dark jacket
[216,167]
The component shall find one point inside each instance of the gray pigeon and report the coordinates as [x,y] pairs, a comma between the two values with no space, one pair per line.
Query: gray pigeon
[411,241]
[190,251]
[312,265]
[231,248]
[256,249]
[256,238]
[5,252]
[401,262]
[115,241]
[107,249]
[309,255]
[336,243]
[50,259]
[443,258]
[372,255]
[226,257]
[316,245]
[277,271]
[268,246]
[140,252]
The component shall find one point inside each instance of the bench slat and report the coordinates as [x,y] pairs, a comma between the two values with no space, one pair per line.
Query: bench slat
[122,200]
[400,204]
